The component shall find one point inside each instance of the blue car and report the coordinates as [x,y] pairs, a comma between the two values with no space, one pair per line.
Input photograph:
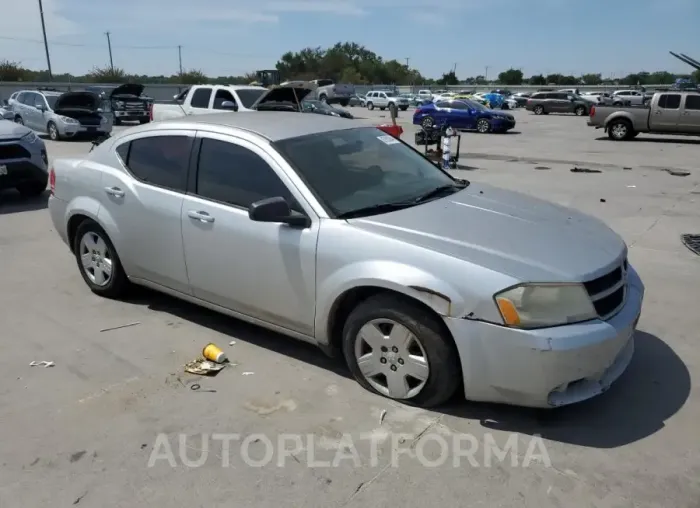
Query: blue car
[462,114]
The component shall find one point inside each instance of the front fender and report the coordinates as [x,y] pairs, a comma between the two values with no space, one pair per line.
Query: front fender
[408,280]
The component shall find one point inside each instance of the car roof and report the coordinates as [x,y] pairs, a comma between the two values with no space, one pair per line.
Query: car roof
[272,125]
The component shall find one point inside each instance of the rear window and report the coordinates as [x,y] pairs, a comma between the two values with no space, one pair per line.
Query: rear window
[248,96]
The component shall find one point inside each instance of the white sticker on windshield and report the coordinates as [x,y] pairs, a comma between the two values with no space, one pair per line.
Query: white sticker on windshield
[389,140]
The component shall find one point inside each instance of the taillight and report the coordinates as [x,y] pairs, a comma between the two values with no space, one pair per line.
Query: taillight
[52,180]
[592,111]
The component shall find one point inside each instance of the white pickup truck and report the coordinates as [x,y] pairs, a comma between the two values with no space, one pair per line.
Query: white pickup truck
[203,99]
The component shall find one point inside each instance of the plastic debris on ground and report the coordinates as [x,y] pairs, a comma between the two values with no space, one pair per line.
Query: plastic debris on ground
[42,364]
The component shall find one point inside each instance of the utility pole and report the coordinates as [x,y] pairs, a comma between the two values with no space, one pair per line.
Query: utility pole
[46,42]
[486,74]
[179,56]
[109,46]
[407,60]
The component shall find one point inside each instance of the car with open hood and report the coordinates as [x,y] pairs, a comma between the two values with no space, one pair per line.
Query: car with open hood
[23,160]
[63,115]
[335,233]
[127,101]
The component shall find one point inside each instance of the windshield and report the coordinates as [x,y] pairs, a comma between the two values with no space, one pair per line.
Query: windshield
[51,99]
[248,96]
[363,167]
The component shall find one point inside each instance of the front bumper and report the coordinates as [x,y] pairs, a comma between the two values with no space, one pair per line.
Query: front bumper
[69,130]
[131,115]
[548,367]
[506,125]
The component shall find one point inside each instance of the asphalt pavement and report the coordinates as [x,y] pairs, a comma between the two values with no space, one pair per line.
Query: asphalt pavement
[116,422]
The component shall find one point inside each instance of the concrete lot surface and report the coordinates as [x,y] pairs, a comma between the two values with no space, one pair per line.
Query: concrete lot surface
[83,432]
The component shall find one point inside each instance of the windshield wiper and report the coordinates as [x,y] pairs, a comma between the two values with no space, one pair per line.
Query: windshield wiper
[440,191]
[375,209]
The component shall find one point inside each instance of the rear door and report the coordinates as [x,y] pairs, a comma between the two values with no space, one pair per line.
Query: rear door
[32,115]
[144,205]
[199,101]
[666,115]
[689,121]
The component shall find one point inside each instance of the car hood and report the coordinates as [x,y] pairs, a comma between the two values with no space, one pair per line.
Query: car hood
[286,93]
[72,101]
[12,130]
[527,238]
[128,89]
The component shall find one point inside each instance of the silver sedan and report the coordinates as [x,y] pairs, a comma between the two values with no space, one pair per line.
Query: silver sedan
[340,235]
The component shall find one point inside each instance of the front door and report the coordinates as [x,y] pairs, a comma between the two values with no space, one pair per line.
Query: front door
[264,270]
[141,209]
[463,117]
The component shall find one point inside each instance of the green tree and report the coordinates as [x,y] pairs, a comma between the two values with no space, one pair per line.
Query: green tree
[592,79]
[449,78]
[511,77]
[107,75]
[12,71]
[192,77]
[480,80]
[696,76]
[345,62]
[537,80]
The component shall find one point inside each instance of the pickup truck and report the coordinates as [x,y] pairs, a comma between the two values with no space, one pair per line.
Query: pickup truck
[673,112]
[203,99]
[328,91]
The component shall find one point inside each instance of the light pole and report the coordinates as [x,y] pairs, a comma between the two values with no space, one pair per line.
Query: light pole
[46,42]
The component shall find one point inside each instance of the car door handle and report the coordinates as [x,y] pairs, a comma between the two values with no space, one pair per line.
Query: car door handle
[200,216]
[114,191]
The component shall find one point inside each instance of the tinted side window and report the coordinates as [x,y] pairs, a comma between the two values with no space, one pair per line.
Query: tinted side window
[233,174]
[458,105]
[221,97]
[692,102]
[160,160]
[200,98]
[670,101]
[325,82]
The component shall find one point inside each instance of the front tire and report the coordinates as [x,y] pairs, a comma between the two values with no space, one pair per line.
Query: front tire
[483,126]
[404,108]
[580,111]
[370,106]
[98,261]
[53,132]
[398,349]
[427,122]
[538,110]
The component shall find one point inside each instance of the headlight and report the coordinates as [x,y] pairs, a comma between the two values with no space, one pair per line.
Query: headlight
[66,119]
[30,137]
[543,305]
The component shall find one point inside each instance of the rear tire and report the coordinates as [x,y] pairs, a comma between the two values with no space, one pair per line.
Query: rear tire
[18,119]
[98,261]
[427,122]
[620,130]
[428,348]
[580,111]
[117,121]
[404,108]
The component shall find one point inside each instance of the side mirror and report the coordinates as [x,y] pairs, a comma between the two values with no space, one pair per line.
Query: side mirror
[40,107]
[229,105]
[276,210]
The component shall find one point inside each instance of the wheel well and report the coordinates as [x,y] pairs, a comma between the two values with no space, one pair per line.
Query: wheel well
[347,302]
[73,225]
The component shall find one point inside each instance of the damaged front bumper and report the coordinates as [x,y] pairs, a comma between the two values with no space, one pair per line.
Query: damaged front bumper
[547,367]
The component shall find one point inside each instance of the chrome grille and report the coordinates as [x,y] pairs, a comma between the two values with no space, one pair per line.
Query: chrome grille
[608,292]
[134,105]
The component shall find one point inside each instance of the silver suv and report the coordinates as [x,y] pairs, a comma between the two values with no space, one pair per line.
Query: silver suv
[62,115]
[384,99]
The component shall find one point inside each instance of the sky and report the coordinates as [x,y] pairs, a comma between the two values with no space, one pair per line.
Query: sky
[232,37]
